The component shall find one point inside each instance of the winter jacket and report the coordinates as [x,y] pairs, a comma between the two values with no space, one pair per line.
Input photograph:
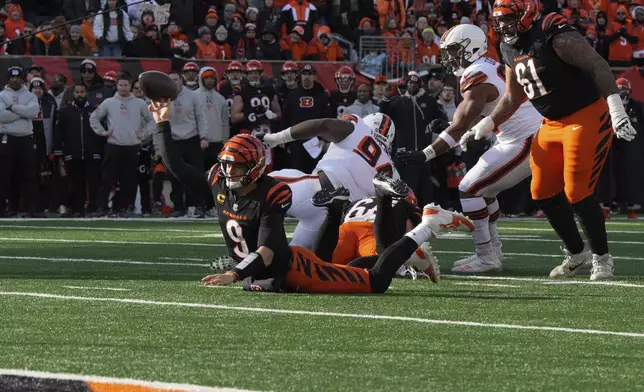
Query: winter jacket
[96,93]
[302,105]
[78,48]
[125,118]
[46,120]
[74,138]
[46,46]
[25,107]
[215,110]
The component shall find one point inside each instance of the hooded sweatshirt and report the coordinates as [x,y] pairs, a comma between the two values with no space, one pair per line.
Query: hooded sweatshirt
[362,109]
[215,110]
[17,121]
[187,116]
[125,117]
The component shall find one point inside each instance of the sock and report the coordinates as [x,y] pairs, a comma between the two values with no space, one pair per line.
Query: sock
[562,219]
[592,222]
[419,234]
[476,209]
[494,211]
[390,261]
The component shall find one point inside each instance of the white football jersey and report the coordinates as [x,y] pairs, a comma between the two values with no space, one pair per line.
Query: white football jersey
[354,162]
[524,123]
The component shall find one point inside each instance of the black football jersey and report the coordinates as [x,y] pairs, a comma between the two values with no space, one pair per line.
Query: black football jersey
[257,100]
[556,89]
[254,220]
[341,101]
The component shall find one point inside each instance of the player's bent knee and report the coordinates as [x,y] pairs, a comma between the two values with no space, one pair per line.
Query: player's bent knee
[576,195]
[379,283]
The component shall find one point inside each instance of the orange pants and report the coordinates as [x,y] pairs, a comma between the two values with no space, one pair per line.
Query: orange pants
[568,154]
[309,274]
[355,239]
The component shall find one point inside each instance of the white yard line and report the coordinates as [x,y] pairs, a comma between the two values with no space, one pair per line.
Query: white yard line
[327,314]
[64,240]
[458,252]
[96,288]
[119,381]
[545,281]
[101,261]
[485,284]
[548,229]
[617,284]
[92,228]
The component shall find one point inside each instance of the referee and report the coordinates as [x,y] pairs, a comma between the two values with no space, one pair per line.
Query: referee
[17,147]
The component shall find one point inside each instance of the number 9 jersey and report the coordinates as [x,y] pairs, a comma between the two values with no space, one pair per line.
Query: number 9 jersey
[555,88]
[354,162]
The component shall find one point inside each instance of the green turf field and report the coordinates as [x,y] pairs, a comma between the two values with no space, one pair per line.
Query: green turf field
[123,299]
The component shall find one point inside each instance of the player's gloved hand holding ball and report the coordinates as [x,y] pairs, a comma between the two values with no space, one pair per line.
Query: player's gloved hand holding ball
[621,122]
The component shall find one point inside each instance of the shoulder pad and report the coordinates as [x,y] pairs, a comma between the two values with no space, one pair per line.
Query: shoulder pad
[279,194]
[555,23]
[476,74]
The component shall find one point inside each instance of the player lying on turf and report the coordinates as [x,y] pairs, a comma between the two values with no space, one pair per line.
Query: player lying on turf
[502,166]
[370,225]
[354,156]
[572,86]
[250,209]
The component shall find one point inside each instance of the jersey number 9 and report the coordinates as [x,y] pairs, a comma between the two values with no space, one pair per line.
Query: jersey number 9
[235,233]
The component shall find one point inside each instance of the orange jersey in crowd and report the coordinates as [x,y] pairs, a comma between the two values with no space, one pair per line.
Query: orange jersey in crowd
[620,49]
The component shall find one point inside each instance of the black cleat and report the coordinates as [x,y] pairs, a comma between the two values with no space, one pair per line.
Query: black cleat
[327,198]
[386,186]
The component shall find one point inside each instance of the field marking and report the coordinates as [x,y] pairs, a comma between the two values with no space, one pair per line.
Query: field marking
[485,284]
[327,314]
[96,288]
[92,228]
[618,284]
[106,261]
[121,381]
[458,252]
[549,229]
[545,281]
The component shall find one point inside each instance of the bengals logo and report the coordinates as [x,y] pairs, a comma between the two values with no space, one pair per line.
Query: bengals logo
[306,102]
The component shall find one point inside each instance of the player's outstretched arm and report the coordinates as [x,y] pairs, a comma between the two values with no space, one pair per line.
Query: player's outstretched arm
[329,129]
[508,104]
[467,112]
[186,174]
[573,49]
[252,265]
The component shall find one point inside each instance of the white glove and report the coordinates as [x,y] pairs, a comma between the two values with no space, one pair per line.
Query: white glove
[621,122]
[483,128]
[467,136]
[275,139]
[270,115]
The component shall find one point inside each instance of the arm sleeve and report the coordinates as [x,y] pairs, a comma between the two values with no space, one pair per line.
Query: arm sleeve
[184,173]
[271,230]
[28,111]
[200,117]
[554,24]
[126,27]
[96,117]
[98,27]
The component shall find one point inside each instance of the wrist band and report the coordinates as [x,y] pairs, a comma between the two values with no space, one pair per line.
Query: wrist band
[447,138]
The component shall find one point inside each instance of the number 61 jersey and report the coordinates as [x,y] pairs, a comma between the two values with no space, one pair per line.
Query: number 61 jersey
[354,162]
[556,89]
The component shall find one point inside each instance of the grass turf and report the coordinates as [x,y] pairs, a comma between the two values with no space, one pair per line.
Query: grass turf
[163,261]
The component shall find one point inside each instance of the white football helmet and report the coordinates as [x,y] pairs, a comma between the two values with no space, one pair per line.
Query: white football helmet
[382,128]
[461,46]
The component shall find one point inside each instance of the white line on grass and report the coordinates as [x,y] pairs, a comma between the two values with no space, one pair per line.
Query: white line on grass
[485,284]
[328,314]
[618,284]
[105,261]
[95,288]
[548,229]
[458,252]
[92,228]
[120,381]
[542,280]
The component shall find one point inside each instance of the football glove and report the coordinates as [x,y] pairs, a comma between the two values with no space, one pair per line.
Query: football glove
[619,118]
[222,264]
[270,115]
[412,157]
[438,125]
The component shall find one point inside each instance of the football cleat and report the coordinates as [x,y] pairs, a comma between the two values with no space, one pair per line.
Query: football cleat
[471,258]
[386,186]
[480,263]
[442,221]
[603,267]
[572,264]
[424,261]
[222,264]
[327,198]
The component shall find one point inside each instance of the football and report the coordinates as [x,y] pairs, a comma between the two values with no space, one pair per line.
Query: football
[158,86]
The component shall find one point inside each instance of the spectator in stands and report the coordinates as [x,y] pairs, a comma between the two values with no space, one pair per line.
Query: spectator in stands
[344,25]
[147,19]
[57,88]
[427,52]
[373,63]
[410,18]
[269,46]
[251,15]
[87,31]
[60,27]
[146,45]
[75,45]
[175,44]
[363,106]
[393,9]
[46,43]
[112,30]
[216,112]
[309,101]
[96,90]
[600,41]
[75,9]
[236,31]
[435,83]
[109,80]
[246,48]
[223,50]
[302,14]
[366,27]
[212,19]
[22,46]
[15,24]
[240,6]
[191,76]
[294,47]
[128,122]
[323,47]
[446,99]
[206,49]
[183,12]
[35,71]
[18,107]
[268,15]
[638,26]
[229,14]
[421,24]
[380,85]
[3,38]
[622,38]
[577,17]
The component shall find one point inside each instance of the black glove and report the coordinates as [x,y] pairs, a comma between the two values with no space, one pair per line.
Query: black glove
[438,125]
[412,157]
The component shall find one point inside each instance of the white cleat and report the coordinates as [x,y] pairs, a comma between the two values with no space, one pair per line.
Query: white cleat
[424,261]
[603,267]
[572,264]
[442,221]
[472,258]
[480,264]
